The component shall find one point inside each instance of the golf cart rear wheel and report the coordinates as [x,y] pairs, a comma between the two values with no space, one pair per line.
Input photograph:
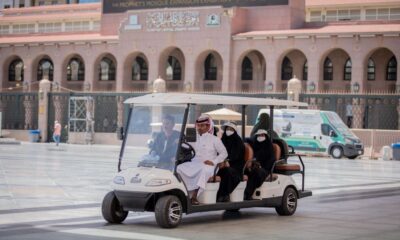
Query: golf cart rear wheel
[112,210]
[337,152]
[289,203]
[168,211]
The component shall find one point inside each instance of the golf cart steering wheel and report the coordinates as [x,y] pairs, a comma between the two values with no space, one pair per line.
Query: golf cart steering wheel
[186,153]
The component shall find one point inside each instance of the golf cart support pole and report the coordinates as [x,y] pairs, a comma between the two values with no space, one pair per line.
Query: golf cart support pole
[271,121]
[121,153]
[183,127]
[243,121]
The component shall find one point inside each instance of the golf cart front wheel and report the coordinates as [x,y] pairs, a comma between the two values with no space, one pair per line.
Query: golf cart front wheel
[289,203]
[168,211]
[112,210]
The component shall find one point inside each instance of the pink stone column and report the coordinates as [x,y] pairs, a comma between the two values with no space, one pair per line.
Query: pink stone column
[272,73]
[28,73]
[153,67]
[357,73]
[226,81]
[44,89]
[358,112]
[190,75]
[58,72]
[89,73]
[28,106]
[313,73]
[120,112]
[119,84]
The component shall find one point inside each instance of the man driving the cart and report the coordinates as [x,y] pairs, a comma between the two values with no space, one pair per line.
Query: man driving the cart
[210,151]
[165,142]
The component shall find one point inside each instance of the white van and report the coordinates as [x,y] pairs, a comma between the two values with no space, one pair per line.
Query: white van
[314,131]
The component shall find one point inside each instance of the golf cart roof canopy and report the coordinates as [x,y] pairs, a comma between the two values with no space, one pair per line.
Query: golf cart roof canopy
[209,99]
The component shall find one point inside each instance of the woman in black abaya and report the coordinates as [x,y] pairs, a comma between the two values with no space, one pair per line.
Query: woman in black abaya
[265,158]
[231,172]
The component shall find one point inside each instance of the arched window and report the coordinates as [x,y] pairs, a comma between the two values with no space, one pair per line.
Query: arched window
[391,70]
[16,71]
[140,71]
[371,69]
[173,70]
[210,68]
[107,70]
[328,69]
[287,69]
[347,70]
[75,70]
[45,70]
[247,69]
[305,71]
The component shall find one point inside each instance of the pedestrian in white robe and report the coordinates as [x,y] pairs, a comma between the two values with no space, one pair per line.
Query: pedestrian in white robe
[210,151]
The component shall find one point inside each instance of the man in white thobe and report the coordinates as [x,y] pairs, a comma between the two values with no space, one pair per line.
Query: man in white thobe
[210,151]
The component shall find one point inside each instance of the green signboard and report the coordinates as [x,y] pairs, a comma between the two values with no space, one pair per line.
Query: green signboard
[118,6]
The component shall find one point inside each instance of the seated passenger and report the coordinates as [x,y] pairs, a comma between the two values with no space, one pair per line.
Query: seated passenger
[231,171]
[265,158]
[210,151]
[165,142]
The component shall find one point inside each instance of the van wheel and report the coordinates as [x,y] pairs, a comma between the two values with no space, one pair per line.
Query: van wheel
[289,203]
[168,211]
[111,209]
[337,152]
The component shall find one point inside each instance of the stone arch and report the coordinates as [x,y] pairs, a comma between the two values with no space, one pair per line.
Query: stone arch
[35,68]
[380,57]
[69,73]
[128,84]
[102,85]
[298,60]
[7,83]
[338,57]
[203,84]
[258,74]
[171,68]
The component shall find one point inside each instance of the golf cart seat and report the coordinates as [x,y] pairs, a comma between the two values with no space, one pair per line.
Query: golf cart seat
[248,152]
[281,151]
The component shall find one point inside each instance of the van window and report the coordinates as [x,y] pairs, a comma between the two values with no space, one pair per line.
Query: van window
[325,128]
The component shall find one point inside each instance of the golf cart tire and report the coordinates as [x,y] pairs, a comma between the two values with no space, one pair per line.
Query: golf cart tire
[289,203]
[168,211]
[112,210]
[337,152]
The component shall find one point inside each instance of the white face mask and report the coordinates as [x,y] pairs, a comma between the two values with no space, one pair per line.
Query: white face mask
[261,138]
[229,132]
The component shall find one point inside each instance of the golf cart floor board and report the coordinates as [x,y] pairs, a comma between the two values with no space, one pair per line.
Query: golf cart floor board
[267,202]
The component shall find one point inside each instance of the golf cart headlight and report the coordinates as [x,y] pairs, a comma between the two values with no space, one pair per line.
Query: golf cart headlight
[158,182]
[119,180]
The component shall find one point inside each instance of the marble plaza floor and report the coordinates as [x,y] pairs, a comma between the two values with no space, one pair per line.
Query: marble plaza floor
[49,192]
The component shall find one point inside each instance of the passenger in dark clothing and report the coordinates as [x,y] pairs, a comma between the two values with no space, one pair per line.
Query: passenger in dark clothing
[263,123]
[231,173]
[265,158]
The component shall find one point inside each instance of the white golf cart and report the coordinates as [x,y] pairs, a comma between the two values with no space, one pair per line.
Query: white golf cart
[148,182]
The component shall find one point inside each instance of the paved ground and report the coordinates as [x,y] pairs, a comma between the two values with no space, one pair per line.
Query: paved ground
[49,192]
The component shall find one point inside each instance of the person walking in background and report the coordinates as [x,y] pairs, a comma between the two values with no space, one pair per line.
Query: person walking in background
[57,132]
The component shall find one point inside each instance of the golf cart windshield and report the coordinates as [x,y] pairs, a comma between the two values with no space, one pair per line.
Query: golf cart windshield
[153,136]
